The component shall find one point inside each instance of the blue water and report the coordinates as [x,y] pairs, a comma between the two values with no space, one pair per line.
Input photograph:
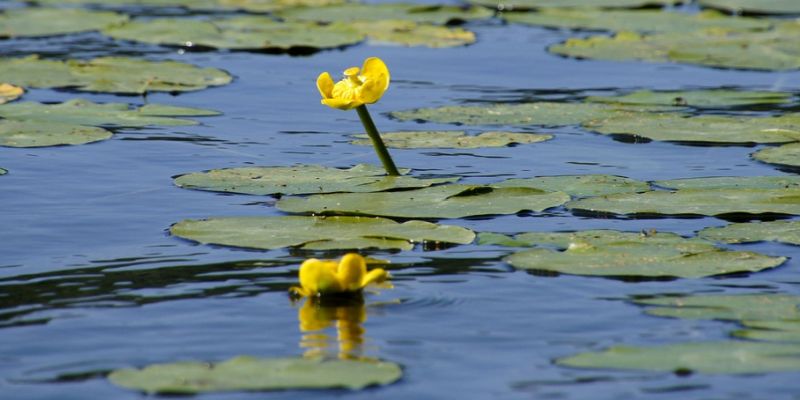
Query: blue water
[90,280]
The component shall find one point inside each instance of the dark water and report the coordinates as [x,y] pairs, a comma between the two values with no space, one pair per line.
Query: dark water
[90,280]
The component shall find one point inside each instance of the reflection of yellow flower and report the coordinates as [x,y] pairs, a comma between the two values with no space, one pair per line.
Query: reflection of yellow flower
[319,277]
[355,89]
[348,317]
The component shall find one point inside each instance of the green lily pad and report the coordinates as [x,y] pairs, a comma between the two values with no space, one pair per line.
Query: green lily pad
[318,233]
[776,231]
[248,32]
[704,98]
[787,155]
[410,33]
[580,185]
[251,373]
[710,202]
[256,6]
[446,201]
[771,331]
[301,179]
[3,171]
[537,4]
[755,6]
[595,237]
[633,20]
[350,12]
[47,133]
[733,182]
[54,21]
[110,74]
[773,50]
[540,113]
[729,357]
[702,129]
[755,307]
[634,254]
[451,139]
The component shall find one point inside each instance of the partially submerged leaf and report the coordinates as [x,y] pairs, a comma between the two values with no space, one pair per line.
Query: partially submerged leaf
[771,331]
[787,155]
[446,201]
[350,12]
[318,232]
[701,98]
[733,182]
[594,237]
[776,231]
[24,133]
[452,139]
[21,22]
[10,92]
[580,185]
[755,6]
[537,4]
[3,171]
[251,373]
[301,179]
[409,33]
[754,307]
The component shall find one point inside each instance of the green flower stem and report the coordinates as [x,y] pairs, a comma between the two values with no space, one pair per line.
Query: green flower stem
[377,143]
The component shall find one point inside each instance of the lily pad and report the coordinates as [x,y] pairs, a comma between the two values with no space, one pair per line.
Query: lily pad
[318,233]
[409,33]
[633,20]
[580,185]
[537,4]
[446,201]
[110,74]
[710,202]
[350,12]
[301,179]
[540,113]
[776,231]
[733,182]
[771,331]
[703,98]
[54,21]
[256,6]
[633,254]
[248,32]
[47,133]
[251,373]
[3,171]
[452,139]
[729,357]
[773,50]
[596,237]
[755,307]
[10,92]
[702,129]
[787,155]
[755,6]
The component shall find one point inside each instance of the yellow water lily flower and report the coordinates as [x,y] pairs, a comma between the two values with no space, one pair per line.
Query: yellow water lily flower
[359,86]
[349,275]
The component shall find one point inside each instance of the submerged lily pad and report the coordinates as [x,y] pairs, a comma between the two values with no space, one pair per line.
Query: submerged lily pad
[47,133]
[776,231]
[539,113]
[616,254]
[251,373]
[446,201]
[10,92]
[703,129]
[318,233]
[755,307]
[774,50]
[702,98]
[787,155]
[580,185]
[733,182]
[350,12]
[410,33]
[771,331]
[633,20]
[248,32]
[695,202]
[729,357]
[536,4]
[452,139]
[755,6]
[54,21]
[110,74]
[301,179]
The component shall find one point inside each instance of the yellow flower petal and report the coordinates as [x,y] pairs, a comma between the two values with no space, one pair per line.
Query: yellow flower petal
[355,89]
[377,275]
[325,85]
[341,104]
[317,276]
[351,271]
[375,76]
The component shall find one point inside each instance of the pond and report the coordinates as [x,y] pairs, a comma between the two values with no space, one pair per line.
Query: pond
[92,280]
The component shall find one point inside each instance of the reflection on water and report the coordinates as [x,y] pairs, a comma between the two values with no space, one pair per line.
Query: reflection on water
[347,315]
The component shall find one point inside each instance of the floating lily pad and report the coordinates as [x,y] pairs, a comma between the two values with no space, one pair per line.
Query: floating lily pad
[540,113]
[452,139]
[446,201]
[318,233]
[248,32]
[301,179]
[596,237]
[580,185]
[703,98]
[409,33]
[633,20]
[633,254]
[755,307]
[47,133]
[54,21]
[350,12]
[10,92]
[755,6]
[787,155]
[774,50]
[729,357]
[695,202]
[251,373]
[733,182]
[702,129]
[536,4]
[776,231]
[771,331]
[110,74]
[258,6]
[3,171]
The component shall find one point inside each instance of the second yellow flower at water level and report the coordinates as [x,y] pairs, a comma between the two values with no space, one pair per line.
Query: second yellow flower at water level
[327,277]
